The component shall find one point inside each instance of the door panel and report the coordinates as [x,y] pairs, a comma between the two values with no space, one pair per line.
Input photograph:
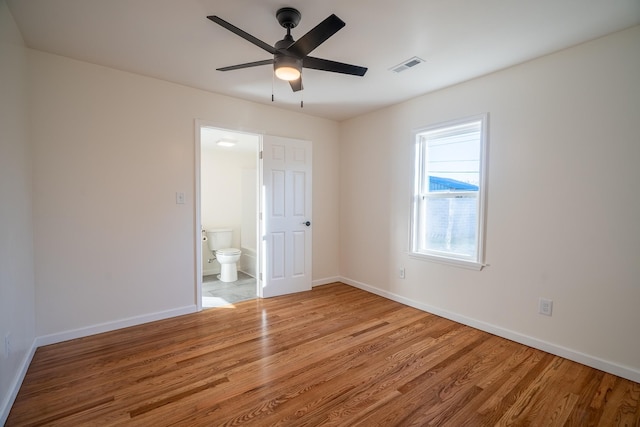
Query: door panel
[298,253]
[278,193]
[278,255]
[286,223]
[299,194]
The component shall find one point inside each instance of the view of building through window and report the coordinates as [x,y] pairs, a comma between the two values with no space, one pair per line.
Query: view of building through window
[447,187]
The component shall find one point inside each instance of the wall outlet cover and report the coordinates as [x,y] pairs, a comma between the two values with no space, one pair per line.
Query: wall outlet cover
[545,306]
[7,345]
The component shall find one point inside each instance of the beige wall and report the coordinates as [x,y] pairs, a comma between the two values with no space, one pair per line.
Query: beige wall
[17,311]
[563,209]
[111,149]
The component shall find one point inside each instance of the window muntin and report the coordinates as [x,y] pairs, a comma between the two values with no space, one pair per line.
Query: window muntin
[448,201]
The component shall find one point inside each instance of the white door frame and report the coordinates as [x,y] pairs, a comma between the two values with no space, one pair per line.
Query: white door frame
[199,123]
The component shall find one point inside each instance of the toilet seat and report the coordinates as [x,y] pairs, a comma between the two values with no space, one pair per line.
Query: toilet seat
[228,251]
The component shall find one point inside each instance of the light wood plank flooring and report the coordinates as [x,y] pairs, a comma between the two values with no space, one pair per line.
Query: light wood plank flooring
[332,356]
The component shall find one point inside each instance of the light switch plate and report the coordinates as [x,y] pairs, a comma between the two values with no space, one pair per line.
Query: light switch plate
[180,198]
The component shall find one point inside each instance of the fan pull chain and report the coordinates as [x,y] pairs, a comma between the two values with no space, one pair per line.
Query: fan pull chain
[272,78]
[301,92]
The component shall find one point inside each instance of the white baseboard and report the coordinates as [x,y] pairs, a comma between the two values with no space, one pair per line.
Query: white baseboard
[567,353]
[112,326]
[248,273]
[248,261]
[16,383]
[325,281]
[79,333]
[211,271]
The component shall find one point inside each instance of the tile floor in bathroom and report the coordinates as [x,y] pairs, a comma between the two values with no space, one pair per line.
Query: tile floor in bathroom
[218,294]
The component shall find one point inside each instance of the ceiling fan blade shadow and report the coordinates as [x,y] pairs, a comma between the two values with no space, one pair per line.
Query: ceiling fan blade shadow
[333,66]
[242,34]
[316,36]
[296,85]
[246,65]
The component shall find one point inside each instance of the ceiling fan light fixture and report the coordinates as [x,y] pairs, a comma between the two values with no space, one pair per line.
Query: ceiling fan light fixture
[287,73]
[287,67]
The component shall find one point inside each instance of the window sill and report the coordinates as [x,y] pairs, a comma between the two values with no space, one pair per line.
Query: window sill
[470,265]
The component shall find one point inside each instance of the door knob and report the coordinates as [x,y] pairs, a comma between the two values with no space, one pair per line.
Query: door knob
[307,223]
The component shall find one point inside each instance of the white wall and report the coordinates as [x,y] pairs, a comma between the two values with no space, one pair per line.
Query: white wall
[111,149]
[223,195]
[17,310]
[563,211]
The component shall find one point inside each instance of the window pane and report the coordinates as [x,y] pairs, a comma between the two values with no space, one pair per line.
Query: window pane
[453,157]
[449,225]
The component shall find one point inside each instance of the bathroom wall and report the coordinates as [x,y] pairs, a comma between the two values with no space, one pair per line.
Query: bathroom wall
[225,201]
[248,238]
[249,235]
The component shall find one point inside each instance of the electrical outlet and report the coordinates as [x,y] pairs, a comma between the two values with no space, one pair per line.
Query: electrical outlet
[7,345]
[401,272]
[545,306]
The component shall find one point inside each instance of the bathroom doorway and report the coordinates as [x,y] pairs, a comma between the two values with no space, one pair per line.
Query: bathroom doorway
[227,185]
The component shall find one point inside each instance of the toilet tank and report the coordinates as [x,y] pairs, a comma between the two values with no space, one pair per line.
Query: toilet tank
[219,238]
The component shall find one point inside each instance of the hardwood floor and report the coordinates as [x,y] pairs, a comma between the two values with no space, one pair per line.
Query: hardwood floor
[333,356]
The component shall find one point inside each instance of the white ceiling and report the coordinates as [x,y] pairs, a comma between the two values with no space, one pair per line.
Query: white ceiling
[459,40]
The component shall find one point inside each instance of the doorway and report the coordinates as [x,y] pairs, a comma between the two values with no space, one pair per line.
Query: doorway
[227,184]
[277,212]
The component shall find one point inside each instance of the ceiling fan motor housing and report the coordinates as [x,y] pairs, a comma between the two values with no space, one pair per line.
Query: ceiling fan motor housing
[288,17]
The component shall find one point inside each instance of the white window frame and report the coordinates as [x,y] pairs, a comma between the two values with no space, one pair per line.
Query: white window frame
[476,263]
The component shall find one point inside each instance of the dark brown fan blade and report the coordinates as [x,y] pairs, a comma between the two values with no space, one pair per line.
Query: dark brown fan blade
[333,66]
[296,85]
[242,34]
[316,36]
[246,65]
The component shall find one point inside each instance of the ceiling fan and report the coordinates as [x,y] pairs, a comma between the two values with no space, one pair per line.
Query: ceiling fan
[289,55]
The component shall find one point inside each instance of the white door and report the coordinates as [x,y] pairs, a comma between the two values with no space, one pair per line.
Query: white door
[286,216]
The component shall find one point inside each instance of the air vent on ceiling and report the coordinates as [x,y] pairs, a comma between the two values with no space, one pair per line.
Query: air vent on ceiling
[405,65]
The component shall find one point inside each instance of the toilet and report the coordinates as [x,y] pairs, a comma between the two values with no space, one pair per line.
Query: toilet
[219,241]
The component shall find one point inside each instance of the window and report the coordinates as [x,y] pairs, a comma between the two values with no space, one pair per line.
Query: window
[448,199]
